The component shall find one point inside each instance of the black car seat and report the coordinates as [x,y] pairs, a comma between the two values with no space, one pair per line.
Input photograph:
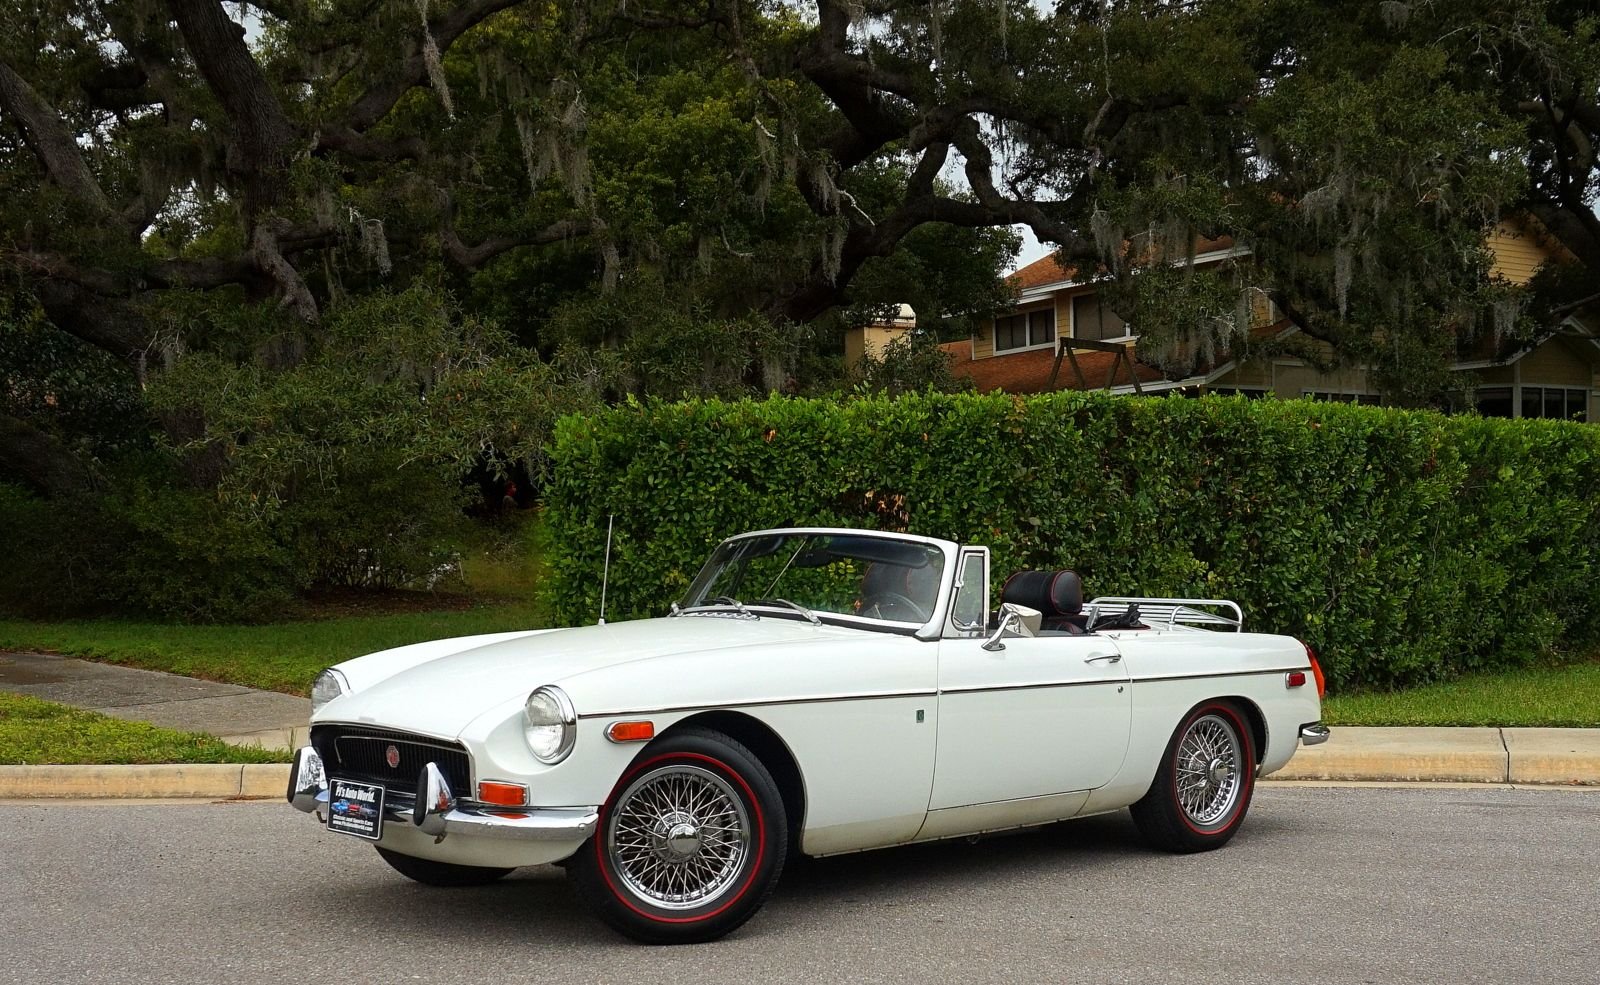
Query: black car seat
[1056,594]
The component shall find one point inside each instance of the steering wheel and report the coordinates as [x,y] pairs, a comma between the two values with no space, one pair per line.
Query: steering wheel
[896,600]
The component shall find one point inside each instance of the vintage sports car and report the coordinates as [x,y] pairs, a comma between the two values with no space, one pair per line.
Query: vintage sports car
[815,691]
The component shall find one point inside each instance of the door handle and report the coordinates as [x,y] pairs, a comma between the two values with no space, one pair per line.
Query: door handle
[1109,658]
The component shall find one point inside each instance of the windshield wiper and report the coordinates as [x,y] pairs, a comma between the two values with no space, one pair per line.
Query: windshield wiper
[796,606]
[730,600]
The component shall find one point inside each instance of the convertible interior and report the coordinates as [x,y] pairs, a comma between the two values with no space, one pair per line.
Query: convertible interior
[1058,597]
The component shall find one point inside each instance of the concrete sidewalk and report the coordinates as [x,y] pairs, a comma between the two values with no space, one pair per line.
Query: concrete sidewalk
[233,713]
[245,716]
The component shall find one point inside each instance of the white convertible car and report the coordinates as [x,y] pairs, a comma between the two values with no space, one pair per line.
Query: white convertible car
[816,691]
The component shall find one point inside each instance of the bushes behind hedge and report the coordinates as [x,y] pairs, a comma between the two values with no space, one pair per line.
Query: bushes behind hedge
[1405,546]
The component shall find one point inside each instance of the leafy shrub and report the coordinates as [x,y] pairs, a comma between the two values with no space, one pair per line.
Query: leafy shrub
[139,546]
[1405,546]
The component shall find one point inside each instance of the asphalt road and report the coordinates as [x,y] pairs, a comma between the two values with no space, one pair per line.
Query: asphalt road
[1323,885]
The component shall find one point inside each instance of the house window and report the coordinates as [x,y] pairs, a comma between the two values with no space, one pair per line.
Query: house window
[1555,403]
[1493,401]
[1028,329]
[1341,398]
[1093,320]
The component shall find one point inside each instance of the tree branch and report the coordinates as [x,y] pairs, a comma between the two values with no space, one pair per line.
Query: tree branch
[51,143]
[472,257]
[42,461]
[374,104]
[266,249]
[109,323]
[369,148]
[262,137]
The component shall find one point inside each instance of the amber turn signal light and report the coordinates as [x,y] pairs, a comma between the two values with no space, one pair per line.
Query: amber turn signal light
[631,731]
[502,794]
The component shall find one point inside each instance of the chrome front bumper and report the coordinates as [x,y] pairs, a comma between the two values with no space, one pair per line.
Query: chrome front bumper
[1314,734]
[442,814]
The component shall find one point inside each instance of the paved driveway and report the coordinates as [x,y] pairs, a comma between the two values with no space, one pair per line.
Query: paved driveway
[1324,885]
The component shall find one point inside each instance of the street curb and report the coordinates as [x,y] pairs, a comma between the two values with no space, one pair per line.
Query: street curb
[1524,756]
[198,781]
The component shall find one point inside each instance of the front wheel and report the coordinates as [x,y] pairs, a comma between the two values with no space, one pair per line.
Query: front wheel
[1203,788]
[431,873]
[689,844]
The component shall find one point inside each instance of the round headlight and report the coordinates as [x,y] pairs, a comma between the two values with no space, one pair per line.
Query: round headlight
[549,724]
[329,685]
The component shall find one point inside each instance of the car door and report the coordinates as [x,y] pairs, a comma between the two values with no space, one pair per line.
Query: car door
[1035,717]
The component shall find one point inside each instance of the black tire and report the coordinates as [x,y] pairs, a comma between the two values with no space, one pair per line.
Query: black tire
[1212,747]
[431,873]
[646,846]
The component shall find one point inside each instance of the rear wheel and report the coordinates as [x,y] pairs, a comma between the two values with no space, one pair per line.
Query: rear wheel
[689,844]
[432,873]
[1203,788]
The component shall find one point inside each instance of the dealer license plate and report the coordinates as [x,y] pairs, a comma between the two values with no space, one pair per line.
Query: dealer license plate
[355,808]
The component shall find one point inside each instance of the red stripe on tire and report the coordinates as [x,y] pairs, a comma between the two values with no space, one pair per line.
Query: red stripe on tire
[761,838]
[1247,772]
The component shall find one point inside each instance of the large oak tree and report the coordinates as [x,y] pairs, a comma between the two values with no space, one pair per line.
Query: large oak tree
[759,164]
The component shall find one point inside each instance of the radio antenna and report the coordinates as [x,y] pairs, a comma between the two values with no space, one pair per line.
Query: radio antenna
[605,575]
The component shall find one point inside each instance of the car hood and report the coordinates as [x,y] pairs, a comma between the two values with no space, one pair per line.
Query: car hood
[443,695]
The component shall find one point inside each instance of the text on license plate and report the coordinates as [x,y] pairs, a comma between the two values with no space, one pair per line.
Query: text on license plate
[355,808]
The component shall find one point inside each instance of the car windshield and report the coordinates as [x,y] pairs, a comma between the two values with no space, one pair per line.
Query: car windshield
[811,575]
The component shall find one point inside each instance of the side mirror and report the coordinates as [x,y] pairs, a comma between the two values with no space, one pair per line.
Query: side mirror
[1019,619]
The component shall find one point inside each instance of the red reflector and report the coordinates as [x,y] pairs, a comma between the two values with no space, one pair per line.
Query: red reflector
[631,731]
[1316,671]
[1296,678]
[503,794]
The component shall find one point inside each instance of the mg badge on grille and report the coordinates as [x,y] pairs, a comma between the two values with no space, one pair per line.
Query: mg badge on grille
[391,756]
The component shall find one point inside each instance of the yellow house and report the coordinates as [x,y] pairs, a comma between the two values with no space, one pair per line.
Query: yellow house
[870,339]
[1059,336]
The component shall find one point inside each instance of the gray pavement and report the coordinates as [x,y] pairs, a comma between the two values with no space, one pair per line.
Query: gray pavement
[233,712]
[278,721]
[1334,886]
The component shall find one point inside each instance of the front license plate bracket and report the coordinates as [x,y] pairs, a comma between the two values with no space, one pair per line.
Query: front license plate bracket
[355,808]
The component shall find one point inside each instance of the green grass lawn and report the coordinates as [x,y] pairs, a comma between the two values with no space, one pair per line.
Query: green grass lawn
[1566,696]
[34,732]
[284,656]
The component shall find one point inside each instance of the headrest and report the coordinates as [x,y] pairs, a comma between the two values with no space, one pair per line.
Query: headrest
[1054,593]
[883,577]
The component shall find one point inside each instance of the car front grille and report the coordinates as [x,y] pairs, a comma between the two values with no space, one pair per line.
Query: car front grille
[354,752]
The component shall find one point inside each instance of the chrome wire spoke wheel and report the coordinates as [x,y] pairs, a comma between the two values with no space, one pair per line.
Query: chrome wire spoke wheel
[1209,773]
[679,836]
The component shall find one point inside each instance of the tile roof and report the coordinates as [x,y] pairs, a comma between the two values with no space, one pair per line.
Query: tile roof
[1029,371]
[1046,270]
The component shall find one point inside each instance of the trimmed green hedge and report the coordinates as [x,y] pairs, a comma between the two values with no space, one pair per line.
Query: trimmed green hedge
[1406,546]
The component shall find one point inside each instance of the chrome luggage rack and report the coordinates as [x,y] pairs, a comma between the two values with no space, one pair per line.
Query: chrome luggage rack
[1170,612]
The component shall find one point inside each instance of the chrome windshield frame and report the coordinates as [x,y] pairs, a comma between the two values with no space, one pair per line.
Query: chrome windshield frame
[930,630]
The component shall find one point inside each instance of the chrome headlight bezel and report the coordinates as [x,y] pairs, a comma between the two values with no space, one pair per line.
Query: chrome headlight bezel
[329,684]
[549,724]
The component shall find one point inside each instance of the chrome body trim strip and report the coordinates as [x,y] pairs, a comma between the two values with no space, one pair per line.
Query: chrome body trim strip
[811,700]
[1233,673]
[620,712]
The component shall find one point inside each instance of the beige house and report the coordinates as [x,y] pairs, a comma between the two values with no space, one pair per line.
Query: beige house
[870,340]
[1059,336]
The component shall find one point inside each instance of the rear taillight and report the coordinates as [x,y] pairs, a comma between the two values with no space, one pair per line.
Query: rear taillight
[1316,671]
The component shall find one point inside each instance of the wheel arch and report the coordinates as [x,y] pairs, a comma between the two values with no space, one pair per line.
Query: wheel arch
[1256,718]
[769,747]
